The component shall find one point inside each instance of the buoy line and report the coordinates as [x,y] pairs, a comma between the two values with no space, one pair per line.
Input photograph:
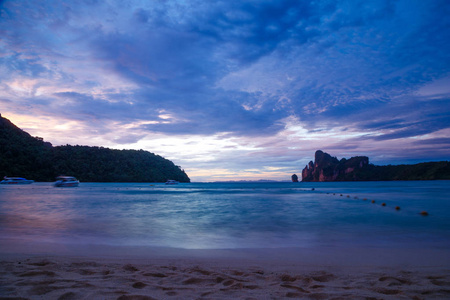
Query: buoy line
[397,208]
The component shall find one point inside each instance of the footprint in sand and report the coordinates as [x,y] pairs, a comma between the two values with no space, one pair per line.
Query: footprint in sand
[203,272]
[251,287]
[387,291]
[325,277]
[68,296]
[107,272]
[130,268]
[439,282]
[42,290]
[318,286]
[288,278]
[159,275]
[393,281]
[37,273]
[84,264]
[135,297]
[293,295]
[139,285]
[297,288]
[86,272]
[193,280]
[228,282]
[82,285]
[41,263]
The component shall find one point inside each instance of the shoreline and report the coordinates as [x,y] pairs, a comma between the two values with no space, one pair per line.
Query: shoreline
[348,255]
[421,256]
[107,272]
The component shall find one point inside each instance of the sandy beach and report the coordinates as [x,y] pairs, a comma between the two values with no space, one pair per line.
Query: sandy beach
[152,273]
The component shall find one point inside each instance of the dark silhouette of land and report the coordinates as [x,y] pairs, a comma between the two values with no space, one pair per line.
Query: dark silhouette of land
[328,168]
[31,157]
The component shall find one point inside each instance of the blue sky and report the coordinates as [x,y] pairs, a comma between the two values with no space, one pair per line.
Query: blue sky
[232,90]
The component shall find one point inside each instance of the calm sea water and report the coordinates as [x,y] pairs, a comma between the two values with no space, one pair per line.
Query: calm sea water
[230,215]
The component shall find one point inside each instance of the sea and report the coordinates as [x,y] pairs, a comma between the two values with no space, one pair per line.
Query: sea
[230,215]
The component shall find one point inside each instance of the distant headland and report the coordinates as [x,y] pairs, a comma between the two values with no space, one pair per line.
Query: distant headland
[328,168]
[31,157]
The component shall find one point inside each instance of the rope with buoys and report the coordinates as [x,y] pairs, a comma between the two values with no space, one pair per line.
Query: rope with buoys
[397,208]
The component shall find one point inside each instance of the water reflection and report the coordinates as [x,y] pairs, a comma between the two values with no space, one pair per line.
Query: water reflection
[225,216]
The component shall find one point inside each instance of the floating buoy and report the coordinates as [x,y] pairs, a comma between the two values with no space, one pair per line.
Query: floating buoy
[383,204]
[341,195]
[373,201]
[348,196]
[365,199]
[397,208]
[424,213]
[312,189]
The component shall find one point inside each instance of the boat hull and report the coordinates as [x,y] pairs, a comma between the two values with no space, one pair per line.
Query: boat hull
[16,180]
[66,181]
[67,184]
[172,182]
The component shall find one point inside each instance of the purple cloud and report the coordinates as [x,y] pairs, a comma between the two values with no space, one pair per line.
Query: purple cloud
[234,69]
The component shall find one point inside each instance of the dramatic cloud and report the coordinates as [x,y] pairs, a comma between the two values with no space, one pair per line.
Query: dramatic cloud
[232,89]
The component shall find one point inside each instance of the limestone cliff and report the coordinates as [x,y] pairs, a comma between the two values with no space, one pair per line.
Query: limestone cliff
[328,168]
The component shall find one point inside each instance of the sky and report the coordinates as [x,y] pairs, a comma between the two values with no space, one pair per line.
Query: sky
[232,90]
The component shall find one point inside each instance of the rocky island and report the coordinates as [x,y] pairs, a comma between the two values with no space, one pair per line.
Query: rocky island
[328,168]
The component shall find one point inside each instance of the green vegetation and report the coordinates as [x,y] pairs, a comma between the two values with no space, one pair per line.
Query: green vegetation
[422,171]
[31,157]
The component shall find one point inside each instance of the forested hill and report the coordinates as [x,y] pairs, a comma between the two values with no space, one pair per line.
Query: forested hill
[31,157]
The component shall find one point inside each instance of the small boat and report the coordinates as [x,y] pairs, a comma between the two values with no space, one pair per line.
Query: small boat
[172,182]
[66,181]
[15,180]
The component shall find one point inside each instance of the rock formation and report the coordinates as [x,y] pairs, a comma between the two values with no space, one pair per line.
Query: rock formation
[328,168]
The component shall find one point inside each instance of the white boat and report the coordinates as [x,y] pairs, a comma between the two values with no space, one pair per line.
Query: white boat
[66,181]
[172,182]
[15,180]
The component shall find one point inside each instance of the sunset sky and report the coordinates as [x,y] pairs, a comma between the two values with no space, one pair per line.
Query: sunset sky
[232,90]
